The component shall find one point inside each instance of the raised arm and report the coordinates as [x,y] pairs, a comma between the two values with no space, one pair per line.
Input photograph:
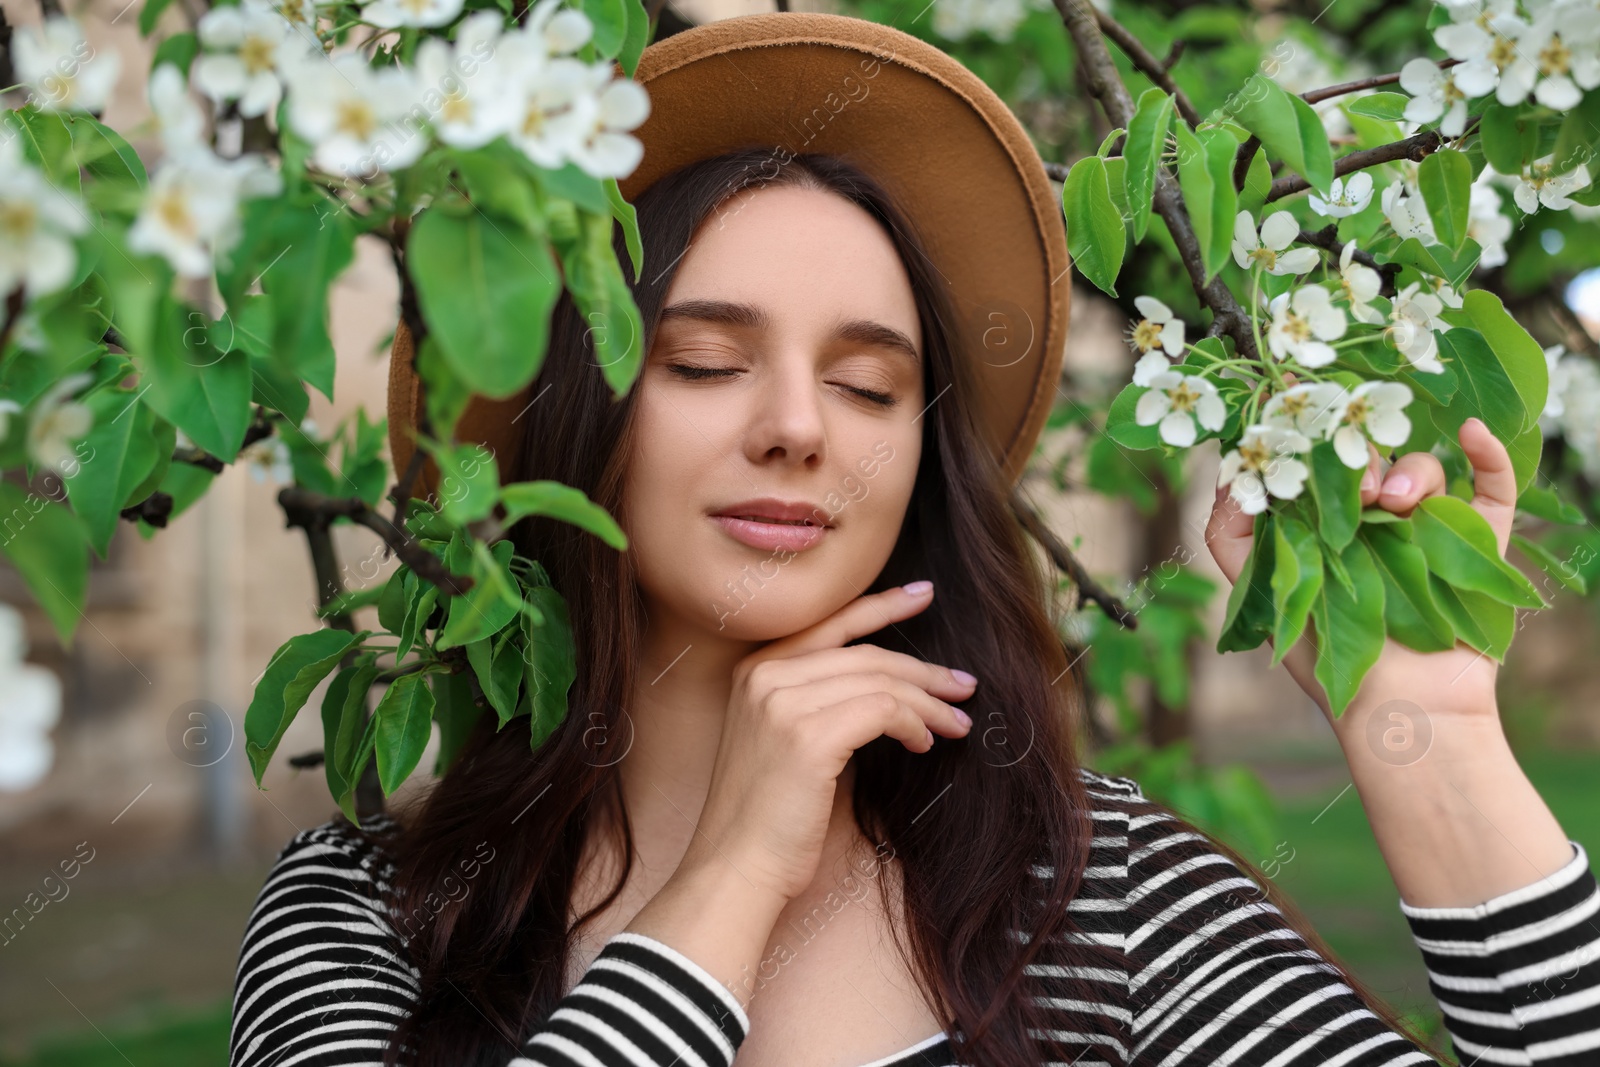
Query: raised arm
[1218,971]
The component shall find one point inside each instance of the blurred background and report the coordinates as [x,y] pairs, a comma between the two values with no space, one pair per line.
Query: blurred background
[132,960]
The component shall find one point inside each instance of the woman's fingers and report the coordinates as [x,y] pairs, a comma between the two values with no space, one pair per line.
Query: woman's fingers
[1414,475]
[1228,535]
[1494,480]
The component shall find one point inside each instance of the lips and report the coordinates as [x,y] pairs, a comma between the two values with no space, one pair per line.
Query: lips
[773,524]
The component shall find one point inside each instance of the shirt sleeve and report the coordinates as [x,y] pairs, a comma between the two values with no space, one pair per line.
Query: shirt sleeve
[1518,976]
[321,982]
[1217,975]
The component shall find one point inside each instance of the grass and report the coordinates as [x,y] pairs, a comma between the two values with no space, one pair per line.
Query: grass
[1335,874]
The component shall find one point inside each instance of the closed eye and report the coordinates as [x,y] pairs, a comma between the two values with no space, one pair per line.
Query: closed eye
[694,373]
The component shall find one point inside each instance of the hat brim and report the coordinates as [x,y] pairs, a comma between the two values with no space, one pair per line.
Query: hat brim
[942,143]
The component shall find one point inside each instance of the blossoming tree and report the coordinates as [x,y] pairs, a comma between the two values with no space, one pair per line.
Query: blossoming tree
[474,140]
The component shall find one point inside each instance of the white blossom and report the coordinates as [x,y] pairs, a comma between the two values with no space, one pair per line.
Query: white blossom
[1264,463]
[190,214]
[64,70]
[1375,410]
[245,47]
[177,118]
[1302,324]
[1406,212]
[1177,402]
[1278,231]
[1579,421]
[1558,364]
[1360,284]
[1345,196]
[1309,408]
[1483,37]
[604,148]
[1413,319]
[269,459]
[359,119]
[1487,223]
[37,224]
[57,422]
[1434,96]
[30,704]
[1537,187]
[1159,328]
[1564,45]
[392,13]
[463,86]
[957,19]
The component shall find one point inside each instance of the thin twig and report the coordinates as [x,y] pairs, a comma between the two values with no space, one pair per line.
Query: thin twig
[302,506]
[1068,564]
[1415,148]
[1105,84]
[1328,238]
[1147,64]
[1316,96]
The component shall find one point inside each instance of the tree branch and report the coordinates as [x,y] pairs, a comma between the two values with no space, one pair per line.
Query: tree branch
[1316,96]
[1328,238]
[1105,84]
[1415,148]
[302,507]
[1068,564]
[1149,65]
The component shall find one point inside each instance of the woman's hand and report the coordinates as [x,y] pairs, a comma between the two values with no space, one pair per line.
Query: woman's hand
[799,709]
[1458,683]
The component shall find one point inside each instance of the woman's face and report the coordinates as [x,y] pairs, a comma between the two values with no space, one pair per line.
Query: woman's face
[787,367]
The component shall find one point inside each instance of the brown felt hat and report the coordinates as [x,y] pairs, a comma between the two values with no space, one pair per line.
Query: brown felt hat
[927,128]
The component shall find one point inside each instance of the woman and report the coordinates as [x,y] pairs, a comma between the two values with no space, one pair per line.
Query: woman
[767,829]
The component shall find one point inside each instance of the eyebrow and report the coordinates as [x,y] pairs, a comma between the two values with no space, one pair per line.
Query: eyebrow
[751,317]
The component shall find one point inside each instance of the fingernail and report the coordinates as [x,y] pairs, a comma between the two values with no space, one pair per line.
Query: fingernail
[930,737]
[963,718]
[917,588]
[963,676]
[1369,480]
[1399,485]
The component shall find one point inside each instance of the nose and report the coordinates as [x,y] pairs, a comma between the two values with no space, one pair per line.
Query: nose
[786,420]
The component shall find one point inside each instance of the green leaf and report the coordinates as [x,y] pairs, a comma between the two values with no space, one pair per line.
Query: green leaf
[565,503]
[344,714]
[421,598]
[1409,611]
[1121,425]
[1438,260]
[634,44]
[492,601]
[497,662]
[1388,106]
[1575,140]
[1350,628]
[179,50]
[550,662]
[1445,180]
[1096,237]
[1483,388]
[1288,128]
[392,602]
[1248,620]
[294,670]
[405,722]
[616,330]
[572,182]
[627,217]
[610,20]
[47,545]
[104,152]
[456,712]
[1547,504]
[468,479]
[1296,581]
[1461,549]
[487,290]
[150,14]
[1519,354]
[1337,492]
[123,453]
[203,391]
[1486,625]
[1147,139]
[1557,569]
[1509,137]
[1205,177]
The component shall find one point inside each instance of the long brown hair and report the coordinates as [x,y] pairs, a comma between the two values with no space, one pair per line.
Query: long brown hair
[966,821]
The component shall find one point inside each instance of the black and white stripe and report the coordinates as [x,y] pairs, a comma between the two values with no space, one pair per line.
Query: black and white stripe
[1206,971]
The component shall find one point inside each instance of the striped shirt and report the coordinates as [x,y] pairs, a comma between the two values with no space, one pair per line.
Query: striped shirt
[1210,974]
